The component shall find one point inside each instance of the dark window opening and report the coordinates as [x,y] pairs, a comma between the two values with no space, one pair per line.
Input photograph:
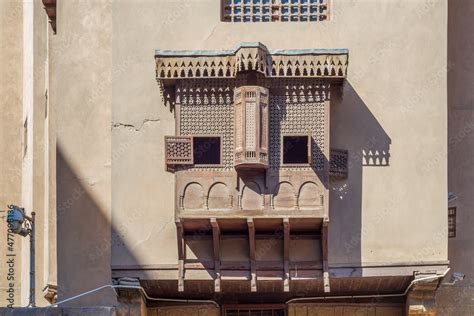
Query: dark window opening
[207,150]
[451,222]
[295,149]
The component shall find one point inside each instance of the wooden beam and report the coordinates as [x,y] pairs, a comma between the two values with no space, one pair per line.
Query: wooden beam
[286,254]
[216,244]
[253,270]
[324,247]
[181,254]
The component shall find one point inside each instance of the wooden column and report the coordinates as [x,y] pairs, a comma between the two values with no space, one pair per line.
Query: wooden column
[253,272]
[324,244]
[286,254]
[216,241]
[181,255]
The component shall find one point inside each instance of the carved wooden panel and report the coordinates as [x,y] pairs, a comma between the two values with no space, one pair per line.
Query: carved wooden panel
[219,197]
[193,197]
[179,150]
[308,63]
[284,196]
[293,117]
[338,163]
[251,127]
[206,109]
[310,196]
[251,198]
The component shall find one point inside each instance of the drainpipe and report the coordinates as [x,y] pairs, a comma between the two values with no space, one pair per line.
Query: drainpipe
[135,287]
[424,279]
[145,294]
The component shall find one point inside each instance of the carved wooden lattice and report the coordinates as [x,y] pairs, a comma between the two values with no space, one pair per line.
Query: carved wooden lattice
[251,127]
[296,118]
[338,163]
[179,150]
[275,10]
[206,109]
[310,63]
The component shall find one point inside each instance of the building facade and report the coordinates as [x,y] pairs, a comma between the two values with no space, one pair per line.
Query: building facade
[239,157]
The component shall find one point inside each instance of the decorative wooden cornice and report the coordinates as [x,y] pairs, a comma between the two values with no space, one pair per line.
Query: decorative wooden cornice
[50,8]
[253,56]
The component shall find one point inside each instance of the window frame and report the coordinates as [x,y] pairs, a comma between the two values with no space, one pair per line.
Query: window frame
[200,165]
[282,149]
[275,12]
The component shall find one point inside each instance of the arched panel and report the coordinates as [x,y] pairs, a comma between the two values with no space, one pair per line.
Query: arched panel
[284,196]
[193,196]
[309,196]
[252,197]
[219,196]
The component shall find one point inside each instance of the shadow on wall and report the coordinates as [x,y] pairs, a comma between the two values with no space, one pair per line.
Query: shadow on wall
[354,128]
[84,238]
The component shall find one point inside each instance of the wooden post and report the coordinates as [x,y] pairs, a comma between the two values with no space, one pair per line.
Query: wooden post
[181,255]
[253,272]
[216,239]
[324,244]
[286,254]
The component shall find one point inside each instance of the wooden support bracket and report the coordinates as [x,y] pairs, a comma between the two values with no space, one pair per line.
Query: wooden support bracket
[181,255]
[286,254]
[324,242]
[216,239]
[253,272]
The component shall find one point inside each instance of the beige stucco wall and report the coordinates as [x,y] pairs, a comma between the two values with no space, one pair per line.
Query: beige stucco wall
[28,181]
[80,83]
[10,137]
[395,98]
[459,299]
[111,121]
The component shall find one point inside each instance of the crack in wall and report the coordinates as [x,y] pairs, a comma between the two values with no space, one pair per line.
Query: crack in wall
[131,126]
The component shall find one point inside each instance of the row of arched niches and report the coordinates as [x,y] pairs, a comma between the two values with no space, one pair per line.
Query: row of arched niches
[251,196]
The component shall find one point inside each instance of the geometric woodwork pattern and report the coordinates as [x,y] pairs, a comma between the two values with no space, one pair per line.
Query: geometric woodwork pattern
[274,11]
[295,118]
[179,150]
[206,109]
[338,163]
[251,120]
[310,63]
[250,128]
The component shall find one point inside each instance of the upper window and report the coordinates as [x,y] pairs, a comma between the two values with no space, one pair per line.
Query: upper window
[207,150]
[192,150]
[275,10]
[296,150]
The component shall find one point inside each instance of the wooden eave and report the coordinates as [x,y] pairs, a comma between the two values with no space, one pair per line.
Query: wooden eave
[172,65]
[50,8]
